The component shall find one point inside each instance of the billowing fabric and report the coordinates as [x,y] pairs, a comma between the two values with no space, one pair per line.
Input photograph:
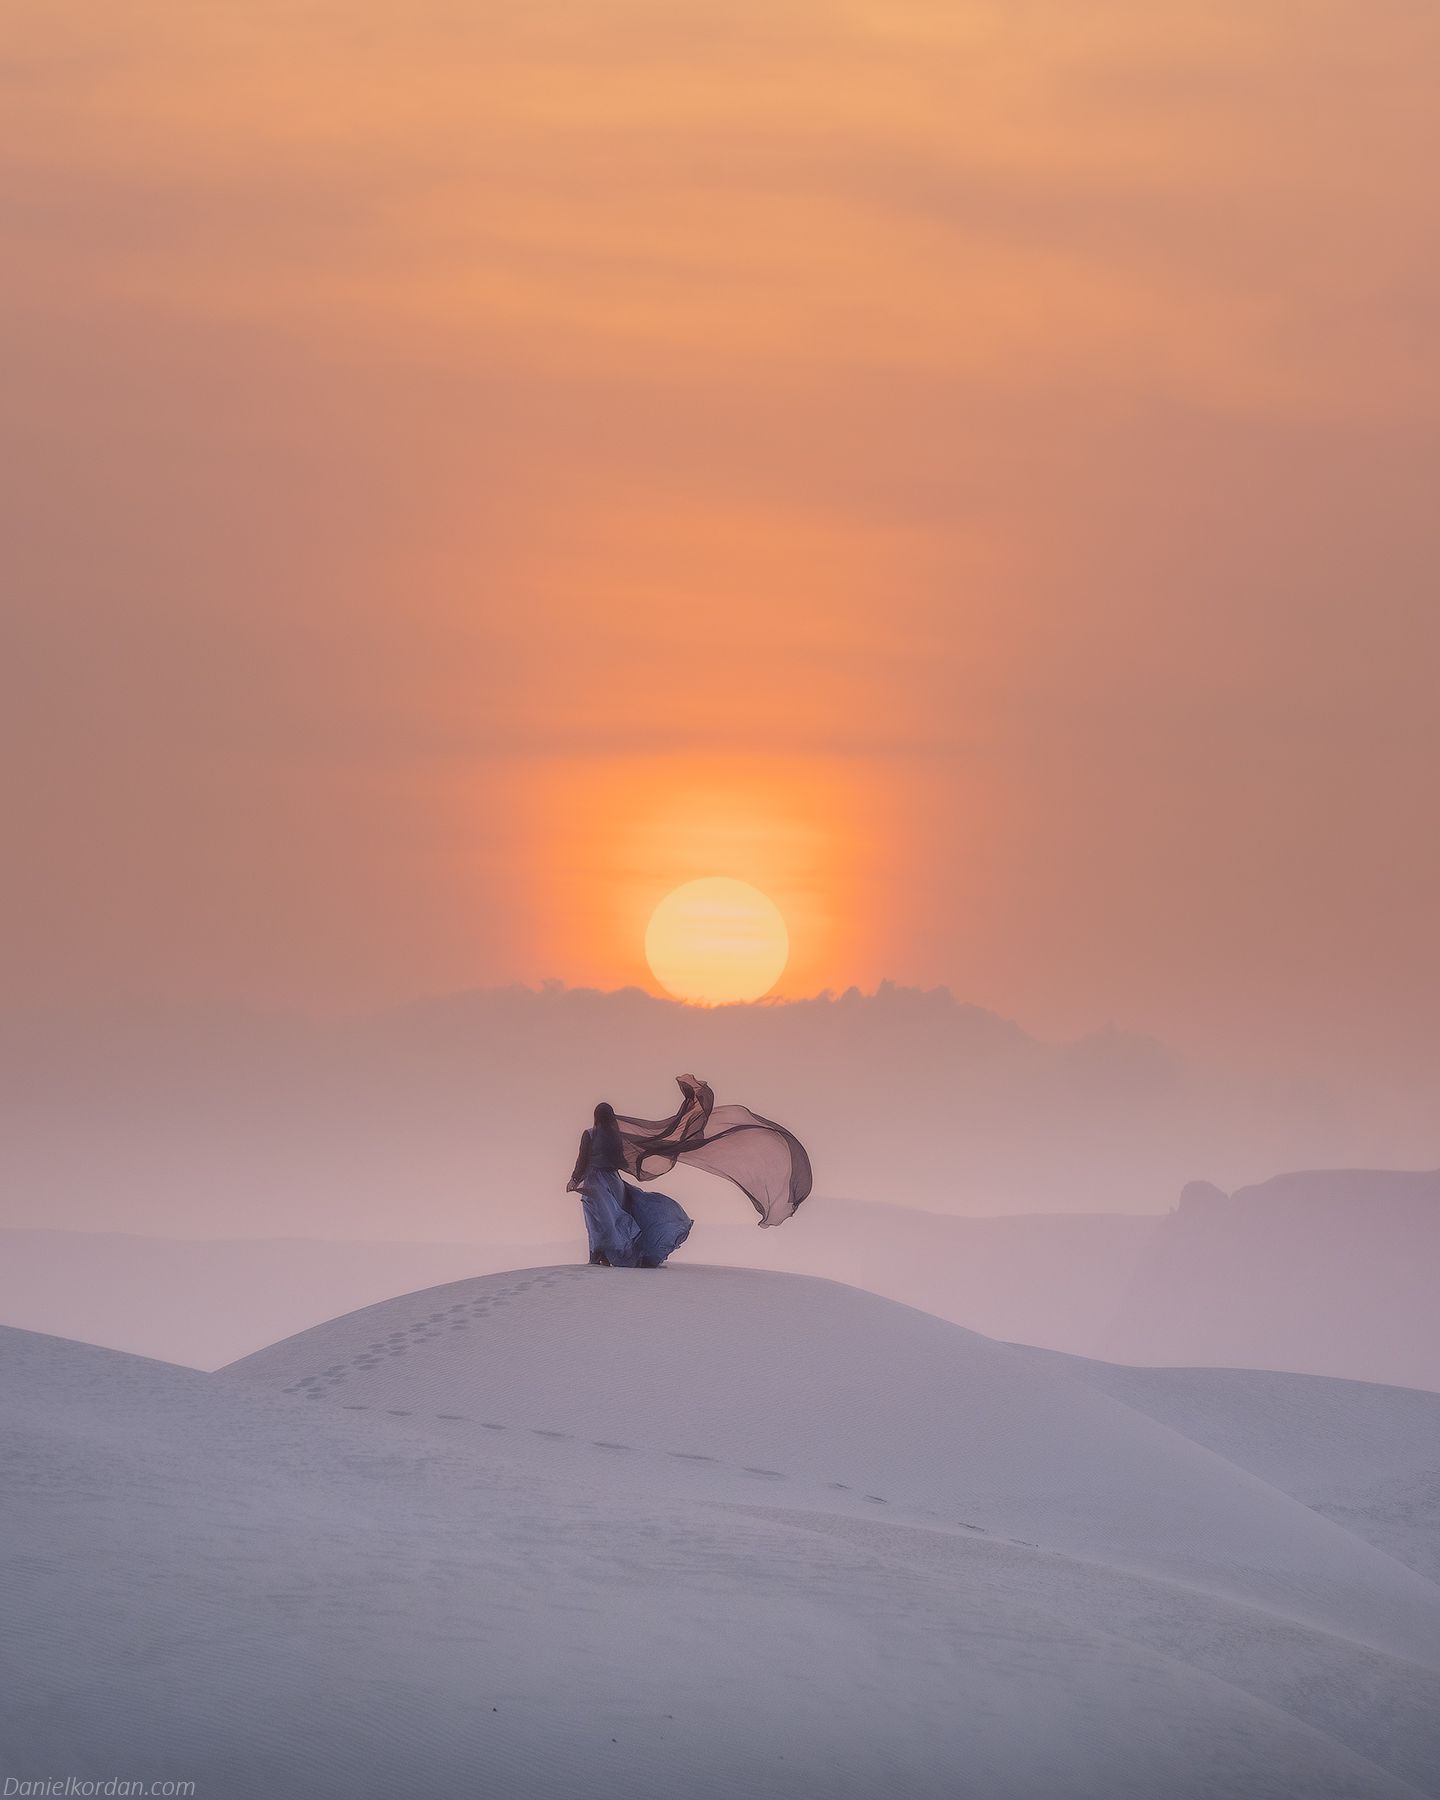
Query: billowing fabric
[765,1161]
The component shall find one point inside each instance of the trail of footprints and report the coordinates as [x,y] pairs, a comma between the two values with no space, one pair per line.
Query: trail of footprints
[458,1317]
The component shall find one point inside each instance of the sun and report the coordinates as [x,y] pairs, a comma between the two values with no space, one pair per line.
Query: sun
[717,940]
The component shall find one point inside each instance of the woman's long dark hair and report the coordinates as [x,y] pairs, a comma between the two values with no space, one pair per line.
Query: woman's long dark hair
[607,1147]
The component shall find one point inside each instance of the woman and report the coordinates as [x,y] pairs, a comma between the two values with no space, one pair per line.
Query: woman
[628,1227]
[632,1228]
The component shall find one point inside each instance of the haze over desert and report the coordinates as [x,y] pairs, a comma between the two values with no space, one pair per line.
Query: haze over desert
[718,972]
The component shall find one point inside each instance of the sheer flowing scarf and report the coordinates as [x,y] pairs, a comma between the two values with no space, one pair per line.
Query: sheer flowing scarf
[765,1161]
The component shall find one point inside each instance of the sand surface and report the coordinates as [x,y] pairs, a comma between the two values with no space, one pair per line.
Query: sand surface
[707,1531]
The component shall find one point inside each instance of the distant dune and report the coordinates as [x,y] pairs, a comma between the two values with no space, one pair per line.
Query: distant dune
[1330,1271]
[707,1532]
[1326,1273]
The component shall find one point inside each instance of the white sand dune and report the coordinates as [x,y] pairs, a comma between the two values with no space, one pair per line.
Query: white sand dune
[699,1532]
[1364,1455]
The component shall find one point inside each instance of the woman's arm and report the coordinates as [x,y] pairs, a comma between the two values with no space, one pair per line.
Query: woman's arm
[573,1186]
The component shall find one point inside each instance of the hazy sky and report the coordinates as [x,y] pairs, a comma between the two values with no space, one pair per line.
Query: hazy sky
[968,469]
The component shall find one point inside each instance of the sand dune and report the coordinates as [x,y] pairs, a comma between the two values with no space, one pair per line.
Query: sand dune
[765,1379]
[1364,1455]
[704,1532]
[1321,1271]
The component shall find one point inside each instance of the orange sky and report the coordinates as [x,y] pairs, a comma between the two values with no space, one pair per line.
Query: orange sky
[967,469]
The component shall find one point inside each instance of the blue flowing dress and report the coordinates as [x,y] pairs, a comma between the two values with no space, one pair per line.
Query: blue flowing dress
[613,1231]
[629,1226]
[664,1224]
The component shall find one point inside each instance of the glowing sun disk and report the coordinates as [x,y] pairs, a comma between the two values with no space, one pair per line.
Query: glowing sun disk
[717,940]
